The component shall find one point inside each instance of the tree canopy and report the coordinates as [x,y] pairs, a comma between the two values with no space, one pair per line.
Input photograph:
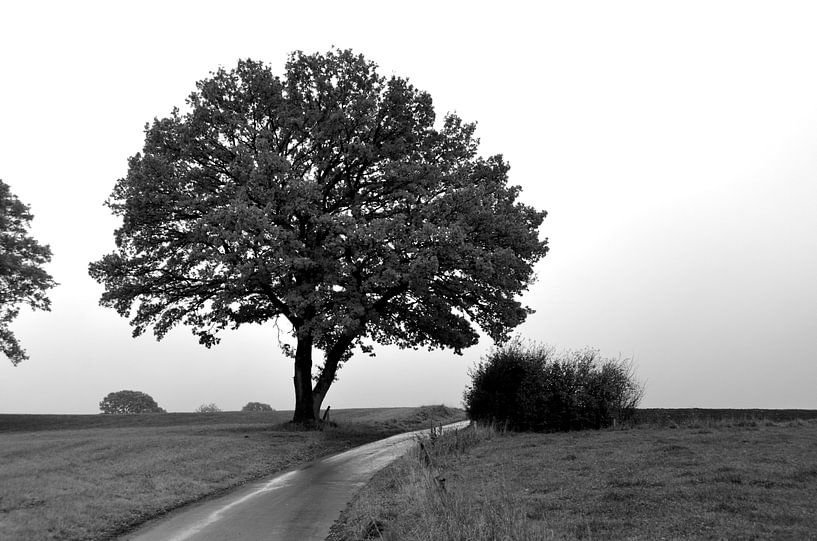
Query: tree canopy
[257,406]
[122,402]
[329,197]
[23,281]
[208,408]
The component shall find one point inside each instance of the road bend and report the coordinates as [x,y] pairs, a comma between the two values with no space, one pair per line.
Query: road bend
[296,505]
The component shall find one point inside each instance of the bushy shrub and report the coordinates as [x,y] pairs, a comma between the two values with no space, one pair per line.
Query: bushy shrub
[208,408]
[126,402]
[257,406]
[533,387]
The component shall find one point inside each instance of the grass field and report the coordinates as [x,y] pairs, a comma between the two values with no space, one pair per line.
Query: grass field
[729,476]
[97,476]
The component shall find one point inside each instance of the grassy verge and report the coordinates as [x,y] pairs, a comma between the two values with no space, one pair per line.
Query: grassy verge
[68,477]
[710,479]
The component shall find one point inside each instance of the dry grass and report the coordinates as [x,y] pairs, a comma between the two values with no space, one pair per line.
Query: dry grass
[95,483]
[737,480]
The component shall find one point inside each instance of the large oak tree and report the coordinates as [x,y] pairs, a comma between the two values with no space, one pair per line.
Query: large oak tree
[23,281]
[328,197]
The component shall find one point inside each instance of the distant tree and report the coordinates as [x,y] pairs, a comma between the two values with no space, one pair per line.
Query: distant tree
[129,402]
[257,406]
[327,197]
[22,278]
[208,408]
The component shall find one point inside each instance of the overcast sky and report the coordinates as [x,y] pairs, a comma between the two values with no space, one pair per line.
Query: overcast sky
[674,146]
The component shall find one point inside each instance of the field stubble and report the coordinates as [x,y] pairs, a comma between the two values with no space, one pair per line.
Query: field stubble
[707,479]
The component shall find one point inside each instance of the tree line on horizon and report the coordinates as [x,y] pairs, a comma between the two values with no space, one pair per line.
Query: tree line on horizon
[128,402]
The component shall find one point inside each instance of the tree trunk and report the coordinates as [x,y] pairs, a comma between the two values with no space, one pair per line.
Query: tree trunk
[330,368]
[318,394]
[316,406]
[308,401]
[304,405]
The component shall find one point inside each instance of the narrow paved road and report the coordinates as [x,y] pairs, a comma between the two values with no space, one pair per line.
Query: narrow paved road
[298,505]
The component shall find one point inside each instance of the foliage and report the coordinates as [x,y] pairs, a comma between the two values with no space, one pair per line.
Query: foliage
[129,402]
[208,408]
[434,413]
[532,387]
[22,278]
[327,197]
[257,406]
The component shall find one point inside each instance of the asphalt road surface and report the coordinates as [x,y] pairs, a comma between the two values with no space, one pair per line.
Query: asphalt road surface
[297,505]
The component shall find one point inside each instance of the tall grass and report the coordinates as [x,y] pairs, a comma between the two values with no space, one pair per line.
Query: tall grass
[728,479]
[424,505]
